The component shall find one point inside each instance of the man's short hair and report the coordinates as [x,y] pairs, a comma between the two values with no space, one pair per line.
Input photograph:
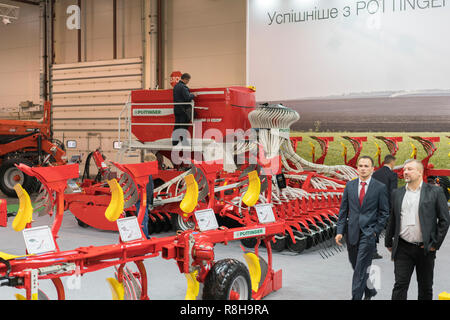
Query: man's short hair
[418,163]
[389,158]
[367,157]
[185,76]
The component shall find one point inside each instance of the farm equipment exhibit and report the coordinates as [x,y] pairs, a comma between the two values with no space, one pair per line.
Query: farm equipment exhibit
[238,178]
[27,142]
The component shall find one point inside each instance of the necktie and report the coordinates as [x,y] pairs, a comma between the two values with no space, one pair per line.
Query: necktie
[362,193]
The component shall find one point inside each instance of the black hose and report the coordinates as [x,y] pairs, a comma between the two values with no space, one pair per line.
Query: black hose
[86,172]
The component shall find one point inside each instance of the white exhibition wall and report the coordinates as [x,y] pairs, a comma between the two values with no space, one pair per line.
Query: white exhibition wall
[20,58]
[300,49]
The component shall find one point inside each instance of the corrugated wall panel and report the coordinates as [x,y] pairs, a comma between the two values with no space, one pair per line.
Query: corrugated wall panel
[88,98]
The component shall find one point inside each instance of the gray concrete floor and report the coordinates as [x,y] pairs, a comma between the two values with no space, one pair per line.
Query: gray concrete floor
[305,277]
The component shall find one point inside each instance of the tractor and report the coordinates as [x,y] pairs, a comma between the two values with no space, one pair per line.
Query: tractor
[28,142]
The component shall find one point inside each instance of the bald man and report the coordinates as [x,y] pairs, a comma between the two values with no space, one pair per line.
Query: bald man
[417,226]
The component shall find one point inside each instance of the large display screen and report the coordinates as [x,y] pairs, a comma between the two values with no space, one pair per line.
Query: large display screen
[309,49]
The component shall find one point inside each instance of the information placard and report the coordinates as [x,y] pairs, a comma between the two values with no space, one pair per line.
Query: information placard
[39,240]
[206,220]
[265,213]
[129,229]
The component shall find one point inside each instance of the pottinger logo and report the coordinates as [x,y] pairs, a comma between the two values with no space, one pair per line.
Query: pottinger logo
[152,112]
[249,233]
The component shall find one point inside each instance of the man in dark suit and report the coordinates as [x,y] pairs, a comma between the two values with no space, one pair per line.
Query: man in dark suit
[417,227]
[390,179]
[362,216]
[182,112]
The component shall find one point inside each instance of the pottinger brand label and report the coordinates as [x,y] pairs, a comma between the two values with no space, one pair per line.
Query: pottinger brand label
[152,112]
[249,233]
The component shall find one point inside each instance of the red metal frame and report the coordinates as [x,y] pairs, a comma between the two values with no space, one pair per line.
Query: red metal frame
[190,249]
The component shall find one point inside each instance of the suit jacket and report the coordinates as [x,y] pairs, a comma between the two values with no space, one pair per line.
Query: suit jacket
[181,93]
[368,218]
[433,217]
[388,177]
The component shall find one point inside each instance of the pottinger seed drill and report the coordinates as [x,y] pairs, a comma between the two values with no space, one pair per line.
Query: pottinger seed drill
[192,250]
[228,126]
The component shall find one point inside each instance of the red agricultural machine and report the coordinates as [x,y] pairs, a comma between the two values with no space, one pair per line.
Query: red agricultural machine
[192,250]
[227,126]
[28,142]
[239,172]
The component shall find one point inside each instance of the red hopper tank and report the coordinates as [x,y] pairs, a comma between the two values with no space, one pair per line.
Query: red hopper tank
[221,108]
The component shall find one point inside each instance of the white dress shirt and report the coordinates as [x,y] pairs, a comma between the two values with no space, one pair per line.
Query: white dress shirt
[409,216]
[365,187]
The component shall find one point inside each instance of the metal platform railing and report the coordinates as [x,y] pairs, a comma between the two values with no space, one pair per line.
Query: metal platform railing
[131,144]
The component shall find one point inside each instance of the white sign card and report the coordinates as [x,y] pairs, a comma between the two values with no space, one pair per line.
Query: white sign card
[74,188]
[265,213]
[206,219]
[39,240]
[129,229]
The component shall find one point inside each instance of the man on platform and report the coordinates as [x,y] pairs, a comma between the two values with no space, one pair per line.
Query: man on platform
[182,112]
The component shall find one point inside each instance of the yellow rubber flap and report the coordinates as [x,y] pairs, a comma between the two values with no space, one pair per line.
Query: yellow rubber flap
[378,150]
[25,212]
[193,286]
[7,256]
[344,152]
[254,268]
[190,199]
[313,148]
[117,289]
[116,204]
[21,297]
[251,196]
[444,296]
[414,152]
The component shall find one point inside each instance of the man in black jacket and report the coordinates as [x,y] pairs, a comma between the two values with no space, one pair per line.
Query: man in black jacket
[417,226]
[390,179]
[182,112]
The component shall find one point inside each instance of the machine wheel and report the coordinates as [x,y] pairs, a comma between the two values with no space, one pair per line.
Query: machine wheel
[228,279]
[156,225]
[300,242]
[179,224]
[150,226]
[309,241]
[167,223]
[249,242]
[82,224]
[280,243]
[10,176]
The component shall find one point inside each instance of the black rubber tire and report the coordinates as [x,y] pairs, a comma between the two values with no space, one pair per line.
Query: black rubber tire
[280,243]
[220,278]
[249,242]
[178,225]
[157,224]
[167,223]
[30,184]
[309,241]
[150,226]
[300,244]
[82,224]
